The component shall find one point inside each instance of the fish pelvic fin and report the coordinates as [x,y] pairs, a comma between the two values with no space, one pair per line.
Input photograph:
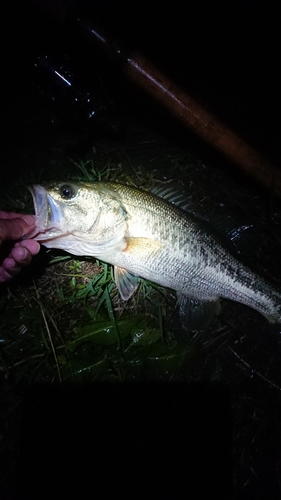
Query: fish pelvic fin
[197,314]
[126,282]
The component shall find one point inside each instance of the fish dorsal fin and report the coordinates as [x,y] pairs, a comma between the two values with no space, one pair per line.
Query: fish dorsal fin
[173,195]
[197,314]
[126,282]
[237,230]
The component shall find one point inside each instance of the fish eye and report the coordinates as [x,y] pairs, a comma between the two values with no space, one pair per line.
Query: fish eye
[67,192]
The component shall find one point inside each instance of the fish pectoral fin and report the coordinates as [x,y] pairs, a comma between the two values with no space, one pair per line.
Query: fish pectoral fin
[142,246]
[197,314]
[126,282]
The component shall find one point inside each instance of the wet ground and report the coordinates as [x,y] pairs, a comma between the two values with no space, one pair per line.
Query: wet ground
[220,401]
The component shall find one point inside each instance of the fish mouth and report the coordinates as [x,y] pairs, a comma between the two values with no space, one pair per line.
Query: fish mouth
[46,213]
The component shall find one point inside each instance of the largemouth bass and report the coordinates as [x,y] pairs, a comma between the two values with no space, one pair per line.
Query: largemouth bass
[143,235]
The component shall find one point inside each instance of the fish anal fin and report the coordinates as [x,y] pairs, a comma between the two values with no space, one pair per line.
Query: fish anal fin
[197,314]
[126,282]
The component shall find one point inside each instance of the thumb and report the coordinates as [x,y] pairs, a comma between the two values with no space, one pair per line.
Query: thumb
[13,229]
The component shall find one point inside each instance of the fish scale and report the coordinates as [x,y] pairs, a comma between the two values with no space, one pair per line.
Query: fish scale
[144,235]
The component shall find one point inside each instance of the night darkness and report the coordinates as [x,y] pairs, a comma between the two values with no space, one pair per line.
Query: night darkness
[148,437]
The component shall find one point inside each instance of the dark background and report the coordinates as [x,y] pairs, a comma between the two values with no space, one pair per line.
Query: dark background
[224,53]
[227,55]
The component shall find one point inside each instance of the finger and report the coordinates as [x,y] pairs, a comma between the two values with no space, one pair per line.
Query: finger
[29,219]
[9,269]
[8,215]
[31,245]
[14,229]
[21,256]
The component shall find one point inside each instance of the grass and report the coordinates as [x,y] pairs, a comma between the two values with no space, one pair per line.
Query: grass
[75,306]
[62,320]
[76,286]
[57,329]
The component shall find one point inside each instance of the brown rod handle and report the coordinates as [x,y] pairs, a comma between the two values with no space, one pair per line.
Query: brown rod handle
[193,115]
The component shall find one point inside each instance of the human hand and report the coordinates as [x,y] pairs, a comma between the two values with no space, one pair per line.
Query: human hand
[15,254]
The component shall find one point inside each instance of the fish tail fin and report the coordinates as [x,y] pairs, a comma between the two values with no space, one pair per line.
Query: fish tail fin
[263,298]
[272,312]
